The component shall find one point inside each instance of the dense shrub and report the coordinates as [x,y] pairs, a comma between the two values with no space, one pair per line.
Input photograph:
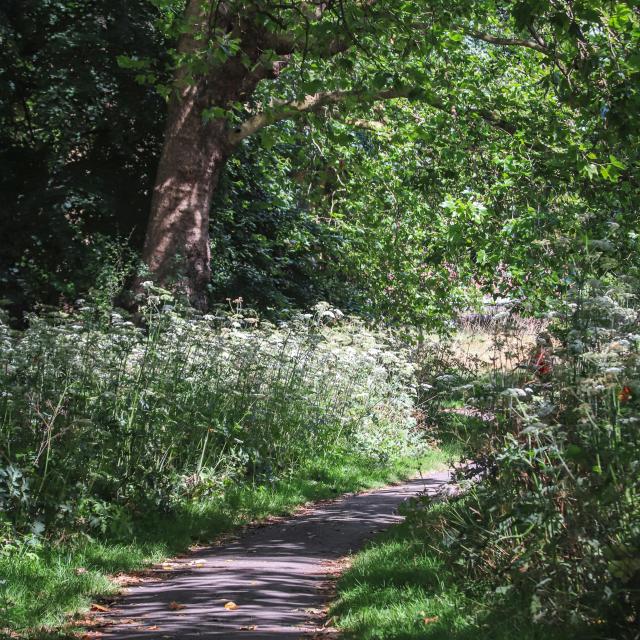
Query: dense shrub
[100,417]
[553,512]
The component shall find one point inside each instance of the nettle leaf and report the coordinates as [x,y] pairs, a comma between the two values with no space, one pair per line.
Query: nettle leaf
[616,163]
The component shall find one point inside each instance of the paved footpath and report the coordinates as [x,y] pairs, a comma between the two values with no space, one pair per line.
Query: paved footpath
[275,575]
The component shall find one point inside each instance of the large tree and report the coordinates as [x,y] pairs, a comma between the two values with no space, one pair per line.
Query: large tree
[242,65]
[224,51]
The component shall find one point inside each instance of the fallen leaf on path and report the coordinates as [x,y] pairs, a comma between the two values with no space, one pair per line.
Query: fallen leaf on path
[91,621]
[251,627]
[230,606]
[430,620]
[176,606]
[99,607]
[153,627]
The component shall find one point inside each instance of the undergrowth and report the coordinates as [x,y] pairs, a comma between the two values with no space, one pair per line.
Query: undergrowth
[546,533]
[122,443]
[400,588]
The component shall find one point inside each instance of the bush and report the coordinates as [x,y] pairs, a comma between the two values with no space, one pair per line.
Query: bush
[553,511]
[101,419]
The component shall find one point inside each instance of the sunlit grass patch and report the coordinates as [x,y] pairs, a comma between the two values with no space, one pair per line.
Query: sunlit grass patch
[400,589]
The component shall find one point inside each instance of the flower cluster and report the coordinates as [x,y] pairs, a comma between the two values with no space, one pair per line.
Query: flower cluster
[116,413]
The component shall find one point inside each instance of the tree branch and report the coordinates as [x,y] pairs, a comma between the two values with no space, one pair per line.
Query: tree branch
[494,119]
[312,103]
[283,44]
[309,104]
[537,44]
[509,42]
[371,125]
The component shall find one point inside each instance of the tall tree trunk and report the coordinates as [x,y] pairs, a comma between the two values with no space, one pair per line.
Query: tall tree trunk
[177,248]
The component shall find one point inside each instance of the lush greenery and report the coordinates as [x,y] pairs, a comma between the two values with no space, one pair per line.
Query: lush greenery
[557,514]
[196,423]
[98,419]
[410,163]
[400,588]
[379,208]
[547,527]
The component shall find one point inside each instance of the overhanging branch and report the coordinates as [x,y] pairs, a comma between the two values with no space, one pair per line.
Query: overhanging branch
[282,110]
[509,42]
[309,104]
[536,44]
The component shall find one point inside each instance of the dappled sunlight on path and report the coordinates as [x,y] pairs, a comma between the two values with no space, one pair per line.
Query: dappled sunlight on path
[276,575]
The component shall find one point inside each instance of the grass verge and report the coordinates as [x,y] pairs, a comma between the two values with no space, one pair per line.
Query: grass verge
[398,588]
[42,586]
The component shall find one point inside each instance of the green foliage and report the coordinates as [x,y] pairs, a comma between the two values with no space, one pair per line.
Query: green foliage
[379,207]
[509,167]
[101,420]
[553,513]
[400,588]
[270,245]
[78,139]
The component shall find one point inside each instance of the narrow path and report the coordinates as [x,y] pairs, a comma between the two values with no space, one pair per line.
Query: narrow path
[276,574]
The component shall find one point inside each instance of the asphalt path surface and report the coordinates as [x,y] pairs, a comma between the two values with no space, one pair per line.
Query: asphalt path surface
[272,582]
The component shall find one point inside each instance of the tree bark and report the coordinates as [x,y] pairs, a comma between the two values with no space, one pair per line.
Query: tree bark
[177,248]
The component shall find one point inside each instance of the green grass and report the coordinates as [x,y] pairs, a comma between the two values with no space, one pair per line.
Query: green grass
[399,589]
[40,588]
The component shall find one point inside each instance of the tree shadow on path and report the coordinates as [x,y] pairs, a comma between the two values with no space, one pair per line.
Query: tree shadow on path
[275,575]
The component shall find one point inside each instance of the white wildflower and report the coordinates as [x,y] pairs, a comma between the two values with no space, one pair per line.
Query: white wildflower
[514,392]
